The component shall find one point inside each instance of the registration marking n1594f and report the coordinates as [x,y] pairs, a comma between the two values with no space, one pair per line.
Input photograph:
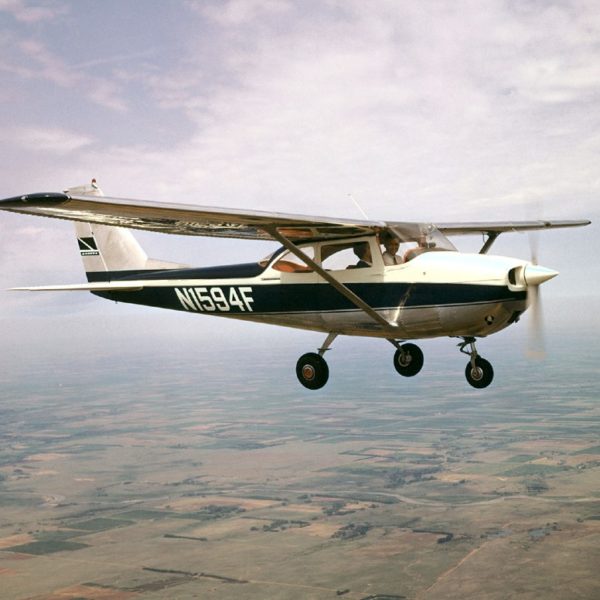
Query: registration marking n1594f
[216,298]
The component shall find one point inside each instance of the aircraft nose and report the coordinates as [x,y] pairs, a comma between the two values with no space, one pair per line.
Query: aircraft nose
[536,275]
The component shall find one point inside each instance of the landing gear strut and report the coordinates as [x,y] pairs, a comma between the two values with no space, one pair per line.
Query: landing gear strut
[479,372]
[311,369]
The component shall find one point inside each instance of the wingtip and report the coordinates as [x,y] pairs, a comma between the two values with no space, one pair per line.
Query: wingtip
[37,199]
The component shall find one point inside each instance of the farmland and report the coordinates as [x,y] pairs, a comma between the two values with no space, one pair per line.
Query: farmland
[245,491]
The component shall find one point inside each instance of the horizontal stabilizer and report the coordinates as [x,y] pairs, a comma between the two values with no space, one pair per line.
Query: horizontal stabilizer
[105,286]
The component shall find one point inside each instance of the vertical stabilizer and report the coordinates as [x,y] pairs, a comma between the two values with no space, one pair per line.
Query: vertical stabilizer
[110,253]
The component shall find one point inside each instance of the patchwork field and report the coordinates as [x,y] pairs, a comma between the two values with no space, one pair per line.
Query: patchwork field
[234,493]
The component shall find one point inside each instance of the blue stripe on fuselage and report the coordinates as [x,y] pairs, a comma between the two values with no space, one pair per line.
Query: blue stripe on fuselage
[293,298]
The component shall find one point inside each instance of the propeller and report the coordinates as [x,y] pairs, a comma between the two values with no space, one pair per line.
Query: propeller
[535,343]
[535,277]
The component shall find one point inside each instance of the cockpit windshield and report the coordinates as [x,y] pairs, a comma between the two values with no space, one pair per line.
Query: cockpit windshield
[426,235]
[263,262]
[412,239]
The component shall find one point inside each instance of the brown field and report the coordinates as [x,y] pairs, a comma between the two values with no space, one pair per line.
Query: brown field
[77,592]
[186,492]
[191,504]
[15,540]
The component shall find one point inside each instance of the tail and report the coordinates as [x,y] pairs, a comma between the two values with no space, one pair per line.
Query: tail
[110,253]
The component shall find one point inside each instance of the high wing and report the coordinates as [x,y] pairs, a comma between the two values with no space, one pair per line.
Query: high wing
[184,219]
[494,229]
[504,226]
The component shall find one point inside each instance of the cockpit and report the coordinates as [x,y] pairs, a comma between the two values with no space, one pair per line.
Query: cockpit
[405,240]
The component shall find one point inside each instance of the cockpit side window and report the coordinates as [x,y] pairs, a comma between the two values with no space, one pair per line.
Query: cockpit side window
[348,255]
[336,256]
[290,263]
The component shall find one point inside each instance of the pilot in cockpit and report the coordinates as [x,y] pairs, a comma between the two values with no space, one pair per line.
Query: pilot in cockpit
[363,253]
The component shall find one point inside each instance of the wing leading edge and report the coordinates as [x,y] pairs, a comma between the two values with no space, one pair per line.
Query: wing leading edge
[184,219]
[505,226]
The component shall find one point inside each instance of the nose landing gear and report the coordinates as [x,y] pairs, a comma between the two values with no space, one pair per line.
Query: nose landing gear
[479,372]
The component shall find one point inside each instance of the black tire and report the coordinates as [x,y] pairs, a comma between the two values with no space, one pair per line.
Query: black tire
[409,360]
[312,371]
[482,375]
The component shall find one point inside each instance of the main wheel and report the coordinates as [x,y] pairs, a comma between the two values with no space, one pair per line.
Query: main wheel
[408,360]
[312,371]
[481,376]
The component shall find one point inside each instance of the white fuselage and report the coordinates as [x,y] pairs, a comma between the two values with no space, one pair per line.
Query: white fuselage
[434,294]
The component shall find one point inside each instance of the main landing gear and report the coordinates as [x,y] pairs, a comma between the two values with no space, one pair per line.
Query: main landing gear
[479,372]
[312,370]
[408,359]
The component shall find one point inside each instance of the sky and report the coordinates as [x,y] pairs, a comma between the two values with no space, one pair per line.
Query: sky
[464,110]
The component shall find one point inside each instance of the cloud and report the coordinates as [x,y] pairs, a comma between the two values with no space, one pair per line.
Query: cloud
[427,110]
[31,59]
[49,140]
[45,65]
[106,93]
[26,12]
[433,110]
[238,13]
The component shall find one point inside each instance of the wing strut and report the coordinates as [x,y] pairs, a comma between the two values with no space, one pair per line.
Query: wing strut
[492,235]
[340,287]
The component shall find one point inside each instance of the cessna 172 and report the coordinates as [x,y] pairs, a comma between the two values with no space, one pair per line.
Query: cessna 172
[313,281]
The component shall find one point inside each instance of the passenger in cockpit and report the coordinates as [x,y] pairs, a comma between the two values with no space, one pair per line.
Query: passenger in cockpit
[390,256]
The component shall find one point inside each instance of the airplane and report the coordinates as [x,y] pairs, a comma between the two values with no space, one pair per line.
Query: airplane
[328,275]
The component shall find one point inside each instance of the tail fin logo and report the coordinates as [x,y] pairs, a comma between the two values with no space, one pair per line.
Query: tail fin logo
[87,246]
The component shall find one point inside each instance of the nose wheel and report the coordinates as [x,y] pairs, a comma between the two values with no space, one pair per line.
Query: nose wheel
[479,372]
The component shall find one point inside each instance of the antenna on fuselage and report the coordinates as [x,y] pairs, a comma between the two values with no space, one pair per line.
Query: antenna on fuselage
[364,214]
